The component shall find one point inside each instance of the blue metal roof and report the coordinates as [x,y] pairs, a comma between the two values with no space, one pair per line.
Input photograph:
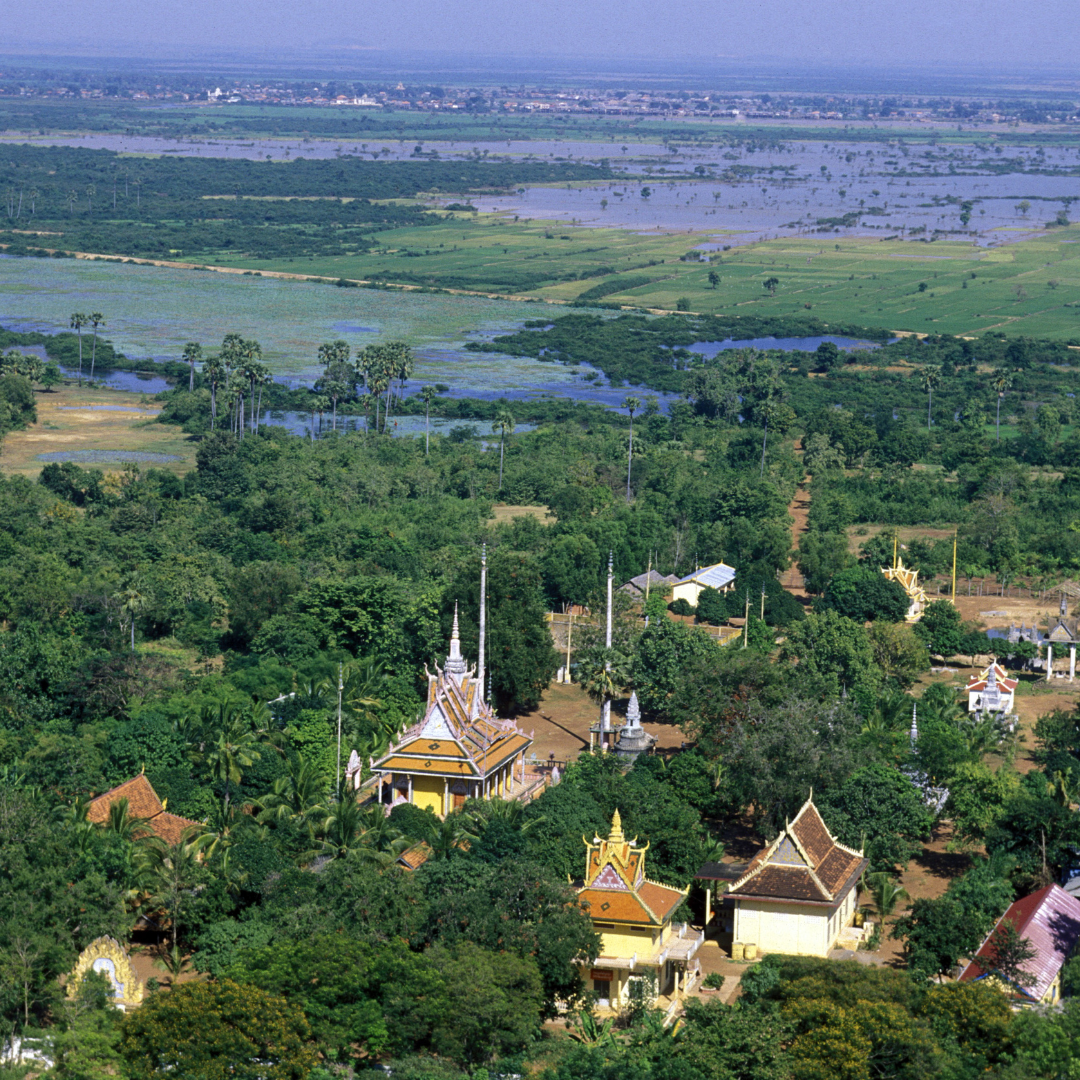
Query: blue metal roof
[713,577]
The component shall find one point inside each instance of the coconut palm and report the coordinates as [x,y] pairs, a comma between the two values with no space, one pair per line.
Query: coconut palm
[503,426]
[131,603]
[631,405]
[295,798]
[230,750]
[427,393]
[96,320]
[192,355]
[1001,382]
[886,893]
[169,874]
[120,820]
[77,321]
[931,380]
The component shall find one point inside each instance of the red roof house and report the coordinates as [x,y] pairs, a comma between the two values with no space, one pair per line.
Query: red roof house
[1050,920]
[144,805]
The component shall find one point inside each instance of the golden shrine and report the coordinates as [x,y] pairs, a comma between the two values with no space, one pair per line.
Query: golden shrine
[108,957]
[633,918]
[908,579]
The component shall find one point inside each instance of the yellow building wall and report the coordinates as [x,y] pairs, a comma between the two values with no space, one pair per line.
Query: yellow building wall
[428,791]
[792,928]
[689,591]
[626,941]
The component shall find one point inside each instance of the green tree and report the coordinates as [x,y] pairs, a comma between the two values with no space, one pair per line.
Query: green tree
[664,652]
[503,426]
[244,1033]
[822,555]
[941,628]
[77,321]
[714,279]
[899,653]
[835,649]
[96,319]
[865,594]
[192,354]
[631,405]
[931,379]
[427,393]
[1009,956]
[1001,382]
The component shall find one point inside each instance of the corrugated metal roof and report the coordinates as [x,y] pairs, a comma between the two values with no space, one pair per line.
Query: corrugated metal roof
[1050,920]
[713,577]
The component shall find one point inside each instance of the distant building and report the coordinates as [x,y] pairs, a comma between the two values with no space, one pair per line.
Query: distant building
[1050,921]
[633,915]
[144,805]
[991,691]
[908,579]
[720,577]
[798,894]
[458,750]
[652,581]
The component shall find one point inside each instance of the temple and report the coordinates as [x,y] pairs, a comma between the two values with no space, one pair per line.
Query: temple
[908,579]
[633,917]
[797,895]
[991,692]
[143,805]
[458,750]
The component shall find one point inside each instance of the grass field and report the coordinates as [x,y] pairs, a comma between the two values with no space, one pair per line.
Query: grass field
[1028,287]
[72,419]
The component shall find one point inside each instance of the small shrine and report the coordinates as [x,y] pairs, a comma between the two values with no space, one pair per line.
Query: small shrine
[1063,632]
[633,917]
[459,749]
[633,738]
[991,692]
[799,893]
[108,957]
[908,579]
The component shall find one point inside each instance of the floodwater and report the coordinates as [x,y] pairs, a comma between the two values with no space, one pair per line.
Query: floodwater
[747,191]
[802,344]
[152,311]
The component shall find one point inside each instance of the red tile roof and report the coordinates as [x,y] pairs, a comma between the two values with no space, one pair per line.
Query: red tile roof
[143,805]
[803,863]
[1050,920]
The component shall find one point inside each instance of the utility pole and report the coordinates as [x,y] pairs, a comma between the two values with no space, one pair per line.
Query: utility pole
[337,773]
[648,582]
[954,569]
[746,622]
[763,601]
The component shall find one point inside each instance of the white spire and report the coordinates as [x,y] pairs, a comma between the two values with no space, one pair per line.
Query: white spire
[914,727]
[455,665]
[633,712]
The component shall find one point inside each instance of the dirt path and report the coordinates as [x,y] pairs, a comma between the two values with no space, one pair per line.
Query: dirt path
[792,579]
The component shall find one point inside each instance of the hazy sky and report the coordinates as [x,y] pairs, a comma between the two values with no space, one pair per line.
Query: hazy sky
[990,33]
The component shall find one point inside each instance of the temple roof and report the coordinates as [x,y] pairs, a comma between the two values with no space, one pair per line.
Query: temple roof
[459,733]
[616,888]
[908,578]
[977,683]
[713,577]
[803,863]
[143,805]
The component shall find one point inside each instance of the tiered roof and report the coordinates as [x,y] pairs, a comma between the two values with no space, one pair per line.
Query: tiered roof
[994,673]
[144,805]
[1050,920]
[459,734]
[803,864]
[908,579]
[616,888]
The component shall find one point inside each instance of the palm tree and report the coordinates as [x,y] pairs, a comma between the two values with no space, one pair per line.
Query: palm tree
[91,191]
[120,820]
[1001,382]
[131,603]
[931,380]
[96,320]
[33,194]
[231,749]
[296,797]
[886,893]
[191,355]
[631,405]
[169,874]
[214,373]
[504,424]
[428,395]
[77,322]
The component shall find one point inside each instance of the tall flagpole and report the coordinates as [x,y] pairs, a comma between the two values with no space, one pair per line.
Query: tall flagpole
[605,718]
[954,568]
[483,619]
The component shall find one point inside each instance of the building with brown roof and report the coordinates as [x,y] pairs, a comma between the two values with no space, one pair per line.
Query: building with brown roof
[799,893]
[143,804]
[1050,921]
[458,750]
[633,916]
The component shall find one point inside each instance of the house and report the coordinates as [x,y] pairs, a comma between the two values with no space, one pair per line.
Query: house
[908,579]
[799,893]
[1050,920]
[720,577]
[651,581]
[991,691]
[633,917]
[459,749]
[143,804]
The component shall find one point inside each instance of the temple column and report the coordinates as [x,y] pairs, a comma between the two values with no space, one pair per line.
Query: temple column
[1072,661]
[446,797]
[708,906]
[410,788]
[1049,661]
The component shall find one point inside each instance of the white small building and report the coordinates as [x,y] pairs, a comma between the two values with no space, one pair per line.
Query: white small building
[720,577]
[991,691]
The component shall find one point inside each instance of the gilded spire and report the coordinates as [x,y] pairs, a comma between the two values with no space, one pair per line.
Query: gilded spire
[616,834]
[455,664]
